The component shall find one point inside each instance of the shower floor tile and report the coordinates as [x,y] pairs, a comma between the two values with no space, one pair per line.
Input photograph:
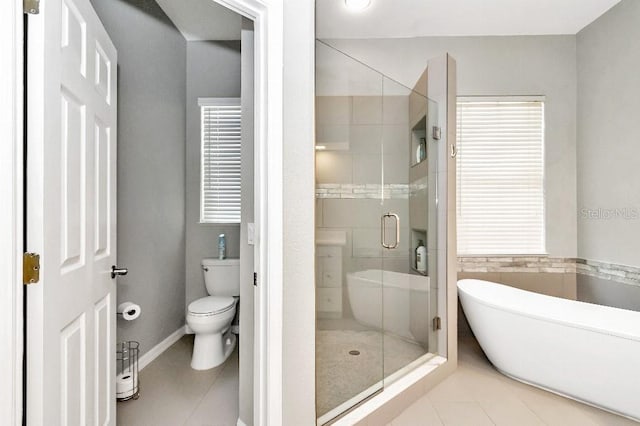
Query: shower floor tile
[342,374]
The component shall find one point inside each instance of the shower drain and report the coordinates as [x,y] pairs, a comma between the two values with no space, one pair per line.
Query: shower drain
[354,352]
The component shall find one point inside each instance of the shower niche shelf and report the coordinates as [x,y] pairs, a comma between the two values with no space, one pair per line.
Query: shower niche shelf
[416,236]
[418,137]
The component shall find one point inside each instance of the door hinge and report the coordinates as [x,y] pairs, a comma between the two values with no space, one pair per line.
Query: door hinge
[437,323]
[31,7]
[436,133]
[255,279]
[30,268]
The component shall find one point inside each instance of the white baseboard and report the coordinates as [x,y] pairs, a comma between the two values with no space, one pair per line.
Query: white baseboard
[157,350]
[241,423]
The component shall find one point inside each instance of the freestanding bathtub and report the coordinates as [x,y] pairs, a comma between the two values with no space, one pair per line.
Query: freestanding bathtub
[391,301]
[586,352]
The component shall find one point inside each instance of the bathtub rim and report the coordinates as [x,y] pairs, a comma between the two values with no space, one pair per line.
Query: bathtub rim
[553,320]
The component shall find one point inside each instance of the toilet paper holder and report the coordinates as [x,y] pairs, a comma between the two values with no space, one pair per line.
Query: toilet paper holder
[127,379]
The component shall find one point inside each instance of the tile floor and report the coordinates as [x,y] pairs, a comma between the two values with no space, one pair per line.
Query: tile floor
[172,394]
[477,394]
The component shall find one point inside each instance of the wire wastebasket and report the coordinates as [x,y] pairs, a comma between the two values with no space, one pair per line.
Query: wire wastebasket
[127,380]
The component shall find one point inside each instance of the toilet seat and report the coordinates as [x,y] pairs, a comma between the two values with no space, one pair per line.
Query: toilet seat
[211,305]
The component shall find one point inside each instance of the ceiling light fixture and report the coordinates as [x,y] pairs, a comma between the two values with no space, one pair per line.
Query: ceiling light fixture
[357,5]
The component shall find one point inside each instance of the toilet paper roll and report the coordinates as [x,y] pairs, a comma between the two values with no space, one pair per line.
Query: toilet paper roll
[126,386]
[129,311]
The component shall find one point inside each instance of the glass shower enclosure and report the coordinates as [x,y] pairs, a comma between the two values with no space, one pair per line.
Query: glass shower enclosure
[377,251]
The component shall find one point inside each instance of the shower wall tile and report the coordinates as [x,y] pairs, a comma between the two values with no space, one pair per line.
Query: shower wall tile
[334,167]
[366,243]
[366,110]
[395,109]
[397,137]
[332,133]
[351,213]
[319,219]
[366,139]
[367,168]
[396,168]
[333,110]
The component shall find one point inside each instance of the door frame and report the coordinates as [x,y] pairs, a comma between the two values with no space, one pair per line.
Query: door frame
[267,16]
[268,21]
[11,211]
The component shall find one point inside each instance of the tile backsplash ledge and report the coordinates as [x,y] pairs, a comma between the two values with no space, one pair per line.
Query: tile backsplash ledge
[603,270]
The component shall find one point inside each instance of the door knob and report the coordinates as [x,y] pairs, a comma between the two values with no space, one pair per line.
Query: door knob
[115,271]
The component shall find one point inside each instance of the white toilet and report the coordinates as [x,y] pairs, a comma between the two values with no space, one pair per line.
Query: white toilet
[210,317]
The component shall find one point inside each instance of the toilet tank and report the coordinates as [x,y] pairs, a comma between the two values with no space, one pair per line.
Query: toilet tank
[222,277]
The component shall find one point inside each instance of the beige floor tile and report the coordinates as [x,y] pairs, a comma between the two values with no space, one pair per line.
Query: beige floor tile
[419,413]
[170,390]
[462,414]
[604,418]
[559,413]
[219,407]
[509,412]
[452,389]
[477,388]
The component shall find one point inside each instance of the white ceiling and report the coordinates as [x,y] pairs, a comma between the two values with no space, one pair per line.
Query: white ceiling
[417,18]
[202,19]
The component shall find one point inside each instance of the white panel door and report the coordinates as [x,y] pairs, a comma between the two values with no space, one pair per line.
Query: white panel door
[71,216]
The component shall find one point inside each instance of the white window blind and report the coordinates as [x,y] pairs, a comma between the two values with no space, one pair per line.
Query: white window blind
[220,160]
[500,176]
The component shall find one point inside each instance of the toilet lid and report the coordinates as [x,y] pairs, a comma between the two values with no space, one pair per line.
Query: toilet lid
[211,305]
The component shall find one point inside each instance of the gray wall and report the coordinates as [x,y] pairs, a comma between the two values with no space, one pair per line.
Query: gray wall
[213,70]
[151,165]
[535,65]
[608,292]
[608,134]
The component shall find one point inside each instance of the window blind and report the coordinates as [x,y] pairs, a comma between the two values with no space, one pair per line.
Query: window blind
[220,160]
[500,177]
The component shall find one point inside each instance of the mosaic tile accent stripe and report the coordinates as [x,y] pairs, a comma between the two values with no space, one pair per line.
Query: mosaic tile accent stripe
[369,190]
[609,271]
[562,265]
[559,265]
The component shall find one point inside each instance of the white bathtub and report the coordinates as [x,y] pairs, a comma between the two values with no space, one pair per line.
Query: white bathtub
[586,352]
[404,297]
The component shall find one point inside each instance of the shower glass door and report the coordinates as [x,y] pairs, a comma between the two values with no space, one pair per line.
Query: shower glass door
[408,226]
[349,203]
[375,204]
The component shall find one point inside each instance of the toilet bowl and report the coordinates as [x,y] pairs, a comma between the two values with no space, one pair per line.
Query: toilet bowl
[210,319]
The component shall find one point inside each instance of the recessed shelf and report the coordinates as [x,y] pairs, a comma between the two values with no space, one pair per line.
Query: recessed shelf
[425,273]
[418,135]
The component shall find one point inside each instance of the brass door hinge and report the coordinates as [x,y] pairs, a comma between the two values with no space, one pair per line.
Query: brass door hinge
[31,7]
[437,323]
[30,268]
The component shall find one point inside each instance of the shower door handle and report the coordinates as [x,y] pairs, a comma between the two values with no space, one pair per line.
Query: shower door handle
[383,233]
